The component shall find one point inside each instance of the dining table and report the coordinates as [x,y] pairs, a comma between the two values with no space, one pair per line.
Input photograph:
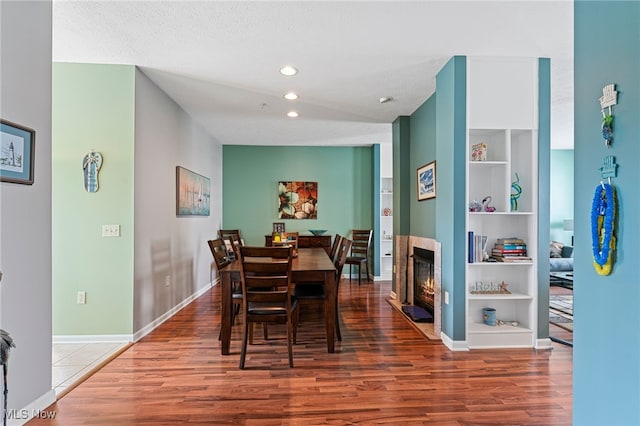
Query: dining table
[311,265]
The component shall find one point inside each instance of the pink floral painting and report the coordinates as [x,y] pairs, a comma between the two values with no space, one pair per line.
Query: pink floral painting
[297,200]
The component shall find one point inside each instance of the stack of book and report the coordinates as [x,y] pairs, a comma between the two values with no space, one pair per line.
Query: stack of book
[477,248]
[510,250]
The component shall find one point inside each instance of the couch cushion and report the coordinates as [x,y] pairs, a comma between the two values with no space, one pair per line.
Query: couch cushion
[559,264]
[555,249]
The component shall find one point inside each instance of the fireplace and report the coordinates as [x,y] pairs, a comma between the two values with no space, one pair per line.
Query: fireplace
[424,279]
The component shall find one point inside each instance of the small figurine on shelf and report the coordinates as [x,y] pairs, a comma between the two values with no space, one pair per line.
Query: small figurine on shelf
[475,206]
[485,203]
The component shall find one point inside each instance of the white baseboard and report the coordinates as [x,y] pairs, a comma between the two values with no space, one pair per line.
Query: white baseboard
[96,338]
[544,344]
[155,324]
[454,345]
[35,410]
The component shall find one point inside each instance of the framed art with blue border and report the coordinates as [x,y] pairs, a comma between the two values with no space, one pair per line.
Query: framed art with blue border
[17,145]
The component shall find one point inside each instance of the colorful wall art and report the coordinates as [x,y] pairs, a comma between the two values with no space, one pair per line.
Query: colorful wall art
[297,200]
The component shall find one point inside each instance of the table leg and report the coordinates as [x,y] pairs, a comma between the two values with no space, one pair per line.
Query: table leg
[330,309]
[226,307]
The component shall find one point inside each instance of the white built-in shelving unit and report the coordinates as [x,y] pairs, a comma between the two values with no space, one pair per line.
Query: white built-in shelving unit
[502,113]
[386,228]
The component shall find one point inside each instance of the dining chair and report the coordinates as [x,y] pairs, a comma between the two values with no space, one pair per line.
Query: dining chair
[268,291]
[221,258]
[312,293]
[334,247]
[233,239]
[360,251]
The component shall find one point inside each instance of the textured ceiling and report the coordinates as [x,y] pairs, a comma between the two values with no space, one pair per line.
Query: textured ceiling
[220,60]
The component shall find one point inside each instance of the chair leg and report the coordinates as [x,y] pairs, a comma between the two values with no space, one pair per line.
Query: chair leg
[243,351]
[359,273]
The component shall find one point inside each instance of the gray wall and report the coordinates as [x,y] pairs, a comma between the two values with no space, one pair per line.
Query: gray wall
[25,211]
[166,245]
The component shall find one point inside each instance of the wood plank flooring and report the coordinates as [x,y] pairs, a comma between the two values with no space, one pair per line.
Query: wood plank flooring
[383,372]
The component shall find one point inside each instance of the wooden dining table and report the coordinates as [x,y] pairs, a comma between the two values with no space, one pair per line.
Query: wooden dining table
[312,265]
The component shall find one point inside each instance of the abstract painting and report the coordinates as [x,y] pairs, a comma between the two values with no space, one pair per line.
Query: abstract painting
[297,200]
[192,193]
[427,181]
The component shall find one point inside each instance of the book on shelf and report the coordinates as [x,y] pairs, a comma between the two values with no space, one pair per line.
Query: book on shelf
[510,246]
[477,247]
[519,252]
[512,259]
[510,241]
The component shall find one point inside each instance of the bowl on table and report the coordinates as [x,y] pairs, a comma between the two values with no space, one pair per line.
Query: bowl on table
[317,232]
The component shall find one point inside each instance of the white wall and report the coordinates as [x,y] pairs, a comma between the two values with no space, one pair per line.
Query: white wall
[25,211]
[169,248]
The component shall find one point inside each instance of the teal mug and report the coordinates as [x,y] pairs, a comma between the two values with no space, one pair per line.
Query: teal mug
[489,316]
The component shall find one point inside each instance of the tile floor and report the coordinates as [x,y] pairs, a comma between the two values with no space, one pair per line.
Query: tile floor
[72,361]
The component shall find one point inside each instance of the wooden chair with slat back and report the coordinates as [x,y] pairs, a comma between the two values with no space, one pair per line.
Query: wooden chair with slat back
[268,291]
[334,247]
[361,240]
[233,239]
[311,293]
[221,258]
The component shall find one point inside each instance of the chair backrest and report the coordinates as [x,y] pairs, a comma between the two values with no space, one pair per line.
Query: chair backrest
[334,247]
[266,274]
[219,252]
[361,239]
[341,256]
[286,238]
[232,239]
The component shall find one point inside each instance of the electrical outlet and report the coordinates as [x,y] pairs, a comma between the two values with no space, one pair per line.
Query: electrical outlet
[82,297]
[446,297]
[110,230]
[167,280]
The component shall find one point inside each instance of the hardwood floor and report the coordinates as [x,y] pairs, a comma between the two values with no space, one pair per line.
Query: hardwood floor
[383,372]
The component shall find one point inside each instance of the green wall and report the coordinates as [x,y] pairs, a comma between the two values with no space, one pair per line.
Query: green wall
[251,173]
[561,194]
[451,107]
[606,385]
[93,109]
[423,150]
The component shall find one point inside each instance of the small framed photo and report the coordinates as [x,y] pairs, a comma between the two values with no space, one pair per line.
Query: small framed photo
[17,145]
[278,227]
[426,177]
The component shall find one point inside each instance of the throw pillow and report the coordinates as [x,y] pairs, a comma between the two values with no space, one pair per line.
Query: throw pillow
[555,249]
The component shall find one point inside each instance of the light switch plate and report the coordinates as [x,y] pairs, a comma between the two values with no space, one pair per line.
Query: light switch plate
[110,230]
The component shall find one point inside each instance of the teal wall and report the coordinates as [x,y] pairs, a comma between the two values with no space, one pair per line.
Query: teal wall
[450,190]
[251,173]
[375,184]
[93,109]
[606,386]
[561,194]
[423,151]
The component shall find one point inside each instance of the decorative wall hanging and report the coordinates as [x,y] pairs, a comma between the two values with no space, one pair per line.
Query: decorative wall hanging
[192,193]
[607,100]
[603,218]
[297,200]
[91,164]
[17,150]
[426,181]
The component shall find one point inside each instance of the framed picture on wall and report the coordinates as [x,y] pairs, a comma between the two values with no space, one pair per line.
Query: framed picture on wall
[192,193]
[278,227]
[426,179]
[16,153]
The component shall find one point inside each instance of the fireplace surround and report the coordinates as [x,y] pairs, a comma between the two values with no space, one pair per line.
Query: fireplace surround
[404,277]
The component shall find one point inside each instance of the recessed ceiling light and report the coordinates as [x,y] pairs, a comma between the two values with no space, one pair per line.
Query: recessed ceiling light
[385,99]
[291,96]
[288,70]
[292,114]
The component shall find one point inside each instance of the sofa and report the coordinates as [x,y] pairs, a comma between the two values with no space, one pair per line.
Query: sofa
[560,257]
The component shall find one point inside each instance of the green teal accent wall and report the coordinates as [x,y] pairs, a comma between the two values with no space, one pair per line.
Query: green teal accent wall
[423,150]
[451,106]
[560,194]
[401,181]
[377,209]
[544,143]
[92,109]
[251,174]
[606,385]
